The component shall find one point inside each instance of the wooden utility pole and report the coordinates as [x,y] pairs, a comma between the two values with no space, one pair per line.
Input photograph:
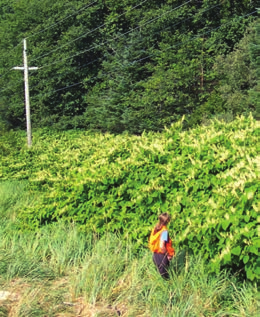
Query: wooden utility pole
[26,69]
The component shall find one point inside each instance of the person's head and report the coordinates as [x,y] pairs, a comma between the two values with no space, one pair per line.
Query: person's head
[164,219]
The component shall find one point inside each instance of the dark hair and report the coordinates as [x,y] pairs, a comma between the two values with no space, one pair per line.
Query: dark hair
[164,219]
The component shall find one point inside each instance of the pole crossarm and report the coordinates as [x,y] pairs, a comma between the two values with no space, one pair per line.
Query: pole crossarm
[26,69]
[22,68]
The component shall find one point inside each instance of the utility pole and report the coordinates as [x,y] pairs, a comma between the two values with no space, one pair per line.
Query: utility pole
[26,69]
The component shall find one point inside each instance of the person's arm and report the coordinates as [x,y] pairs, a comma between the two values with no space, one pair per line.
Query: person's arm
[163,246]
[163,240]
[169,257]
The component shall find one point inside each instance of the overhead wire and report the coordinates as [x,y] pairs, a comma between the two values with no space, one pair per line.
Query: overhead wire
[9,70]
[102,58]
[12,86]
[194,38]
[81,9]
[87,33]
[14,48]
[98,45]
[139,26]
[139,60]
[61,20]
[144,58]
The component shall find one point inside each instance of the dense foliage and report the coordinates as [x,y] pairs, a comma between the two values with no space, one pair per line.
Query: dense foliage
[62,271]
[255,56]
[127,65]
[206,178]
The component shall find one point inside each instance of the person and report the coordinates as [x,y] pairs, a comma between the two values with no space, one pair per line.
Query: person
[161,245]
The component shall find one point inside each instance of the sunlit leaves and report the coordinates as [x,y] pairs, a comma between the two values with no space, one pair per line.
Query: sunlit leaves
[206,178]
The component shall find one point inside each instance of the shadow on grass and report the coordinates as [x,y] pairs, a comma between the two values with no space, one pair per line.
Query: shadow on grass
[179,261]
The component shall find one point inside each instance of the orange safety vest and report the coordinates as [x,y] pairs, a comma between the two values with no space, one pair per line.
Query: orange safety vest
[154,243]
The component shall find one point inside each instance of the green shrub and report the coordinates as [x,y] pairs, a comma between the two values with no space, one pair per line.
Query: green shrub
[206,178]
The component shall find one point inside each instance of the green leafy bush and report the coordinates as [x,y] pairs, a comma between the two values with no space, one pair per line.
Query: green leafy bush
[206,178]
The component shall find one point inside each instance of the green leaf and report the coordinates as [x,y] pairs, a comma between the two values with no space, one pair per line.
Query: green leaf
[250,275]
[245,259]
[253,249]
[225,224]
[257,271]
[236,250]
[247,218]
[227,258]
[256,242]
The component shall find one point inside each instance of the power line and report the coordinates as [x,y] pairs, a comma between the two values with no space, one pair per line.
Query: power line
[141,59]
[147,22]
[176,45]
[81,9]
[132,31]
[6,73]
[9,70]
[98,45]
[194,38]
[144,58]
[63,19]
[12,49]
[87,33]
[101,58]
[12,86]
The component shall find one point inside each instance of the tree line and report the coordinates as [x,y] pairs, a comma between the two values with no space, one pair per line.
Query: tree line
[129,65]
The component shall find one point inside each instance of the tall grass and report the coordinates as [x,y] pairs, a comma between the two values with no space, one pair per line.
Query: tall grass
[60,271]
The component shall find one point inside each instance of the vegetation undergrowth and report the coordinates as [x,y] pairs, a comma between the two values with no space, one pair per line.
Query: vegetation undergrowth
[59,270]
[206,178]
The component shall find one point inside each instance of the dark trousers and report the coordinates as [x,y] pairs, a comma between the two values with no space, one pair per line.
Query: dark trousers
[162,263]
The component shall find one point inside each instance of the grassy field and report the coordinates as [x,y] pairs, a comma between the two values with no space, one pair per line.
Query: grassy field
[60,271]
